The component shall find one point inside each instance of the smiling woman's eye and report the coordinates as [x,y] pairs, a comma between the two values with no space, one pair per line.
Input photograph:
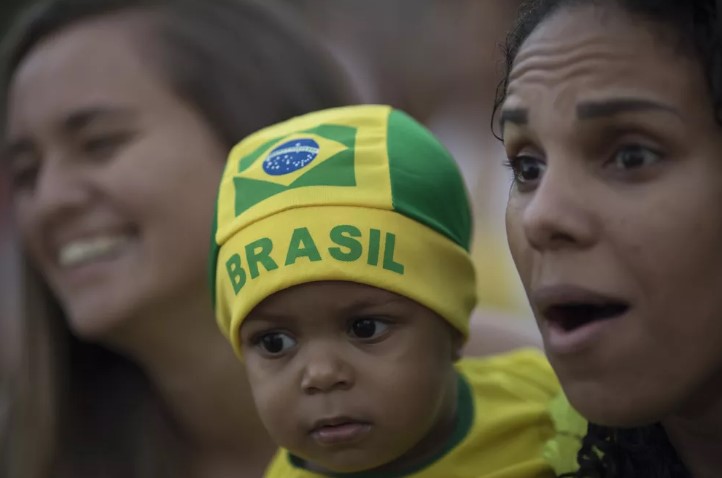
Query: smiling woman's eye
[274,343]
[367,328]
[23,175]
[22,164]
[634,157]
[103,146]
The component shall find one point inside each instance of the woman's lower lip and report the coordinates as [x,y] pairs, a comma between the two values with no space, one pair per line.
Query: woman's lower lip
[91,272]
[341,434]
[559,341]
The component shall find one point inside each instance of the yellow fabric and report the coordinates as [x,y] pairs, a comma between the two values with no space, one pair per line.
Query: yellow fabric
[373,183]
[288,234]
[511,423]
[411,260]
[498,287]
[570,429]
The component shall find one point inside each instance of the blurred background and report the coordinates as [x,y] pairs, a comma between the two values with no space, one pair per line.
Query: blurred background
[439,60]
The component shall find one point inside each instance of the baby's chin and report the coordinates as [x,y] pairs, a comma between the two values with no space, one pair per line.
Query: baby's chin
[346,461]
[353,458]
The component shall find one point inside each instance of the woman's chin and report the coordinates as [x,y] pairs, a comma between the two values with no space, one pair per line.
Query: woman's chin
[617,410]
[96,320]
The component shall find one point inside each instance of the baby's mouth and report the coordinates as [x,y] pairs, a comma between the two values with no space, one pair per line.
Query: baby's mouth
[339,430]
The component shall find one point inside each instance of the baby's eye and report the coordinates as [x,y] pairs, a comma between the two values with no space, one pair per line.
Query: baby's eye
[367,328]
[275,343]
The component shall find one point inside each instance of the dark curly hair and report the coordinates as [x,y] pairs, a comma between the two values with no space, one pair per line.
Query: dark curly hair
[627,453]
[644,451]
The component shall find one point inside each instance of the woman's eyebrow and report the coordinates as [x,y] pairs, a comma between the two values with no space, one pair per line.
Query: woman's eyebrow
[81,118]
[593,110]
[518,116]
[614,106]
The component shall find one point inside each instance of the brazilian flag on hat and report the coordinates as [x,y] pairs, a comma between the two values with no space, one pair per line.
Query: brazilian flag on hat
[363,194]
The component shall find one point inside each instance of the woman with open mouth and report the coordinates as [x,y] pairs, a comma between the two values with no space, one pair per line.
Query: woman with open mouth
[610,116]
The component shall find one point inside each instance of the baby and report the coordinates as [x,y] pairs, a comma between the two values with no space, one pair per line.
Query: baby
[342,279]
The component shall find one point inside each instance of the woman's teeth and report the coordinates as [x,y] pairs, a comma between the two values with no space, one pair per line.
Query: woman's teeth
[82,251]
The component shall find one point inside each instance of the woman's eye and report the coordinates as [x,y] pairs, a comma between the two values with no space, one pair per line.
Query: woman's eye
[23,177]
[634,157]
[367,328]
[526,169]
[275,343]
[104,146]
[22,164]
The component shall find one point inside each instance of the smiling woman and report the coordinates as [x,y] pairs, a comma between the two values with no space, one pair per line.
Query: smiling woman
[610,116]
[117,117]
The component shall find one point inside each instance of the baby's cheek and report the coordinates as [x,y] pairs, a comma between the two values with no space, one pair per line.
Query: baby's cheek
[264,389]
[280,420]
[272,397]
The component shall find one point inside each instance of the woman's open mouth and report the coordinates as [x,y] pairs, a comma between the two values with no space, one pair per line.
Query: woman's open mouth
[575,316]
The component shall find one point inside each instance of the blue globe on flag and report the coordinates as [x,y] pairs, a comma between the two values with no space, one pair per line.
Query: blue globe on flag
[290,157]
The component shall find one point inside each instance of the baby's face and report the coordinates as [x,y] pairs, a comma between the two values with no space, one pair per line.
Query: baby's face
[350,377]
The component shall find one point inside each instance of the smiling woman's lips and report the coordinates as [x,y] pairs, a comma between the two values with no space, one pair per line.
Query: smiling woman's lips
[84,251]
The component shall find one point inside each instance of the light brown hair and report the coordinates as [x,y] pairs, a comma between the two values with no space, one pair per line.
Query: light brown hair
[78,409]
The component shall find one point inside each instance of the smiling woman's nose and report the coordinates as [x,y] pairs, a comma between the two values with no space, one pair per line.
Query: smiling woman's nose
[58,192]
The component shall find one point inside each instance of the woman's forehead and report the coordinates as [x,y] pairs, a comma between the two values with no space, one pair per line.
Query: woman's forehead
[570,58]
[95,64]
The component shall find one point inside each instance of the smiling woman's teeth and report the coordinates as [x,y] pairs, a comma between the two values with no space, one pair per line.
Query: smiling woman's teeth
[81,251]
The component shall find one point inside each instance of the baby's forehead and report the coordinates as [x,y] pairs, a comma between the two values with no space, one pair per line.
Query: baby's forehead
[335,297]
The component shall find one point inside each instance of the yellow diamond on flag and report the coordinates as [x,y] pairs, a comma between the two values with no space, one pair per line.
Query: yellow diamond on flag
[291,157]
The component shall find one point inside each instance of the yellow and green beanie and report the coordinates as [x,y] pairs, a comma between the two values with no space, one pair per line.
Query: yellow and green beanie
[363,194]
